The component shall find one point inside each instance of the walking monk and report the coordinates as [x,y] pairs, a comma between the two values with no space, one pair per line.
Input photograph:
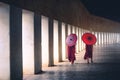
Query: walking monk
[89,53]
[71,53]
[71,42]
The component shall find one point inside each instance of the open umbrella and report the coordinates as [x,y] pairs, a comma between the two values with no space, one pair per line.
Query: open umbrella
[89,38]
[71,39]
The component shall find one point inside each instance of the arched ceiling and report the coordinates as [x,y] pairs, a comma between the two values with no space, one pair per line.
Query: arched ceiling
[72,12]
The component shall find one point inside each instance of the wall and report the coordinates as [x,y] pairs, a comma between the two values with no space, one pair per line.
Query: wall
[4,42]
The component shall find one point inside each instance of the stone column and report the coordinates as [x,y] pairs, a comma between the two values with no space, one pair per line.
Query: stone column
[50,35]
[37,44]
[16,69]
[60,41]
[66,34]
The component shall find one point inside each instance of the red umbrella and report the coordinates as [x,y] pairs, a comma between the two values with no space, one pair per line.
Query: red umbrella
[89,38]
[71,39]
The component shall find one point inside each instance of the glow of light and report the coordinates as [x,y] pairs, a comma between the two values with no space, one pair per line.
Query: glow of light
[80,43]
[77,40]
[69,30]
[28,42]
[73,29]
[44,41]
[4,42]
[63,42]
[56,56]
[99,38]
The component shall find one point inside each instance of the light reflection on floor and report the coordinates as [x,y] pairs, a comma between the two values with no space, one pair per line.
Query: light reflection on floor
[105,67]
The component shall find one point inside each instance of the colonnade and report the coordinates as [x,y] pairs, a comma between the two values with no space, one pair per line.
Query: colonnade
[29,41]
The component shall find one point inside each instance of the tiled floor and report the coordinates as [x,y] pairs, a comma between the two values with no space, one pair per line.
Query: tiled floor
[106,66]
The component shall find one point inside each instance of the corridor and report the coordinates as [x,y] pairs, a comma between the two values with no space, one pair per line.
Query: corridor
[33,36]
[106,66]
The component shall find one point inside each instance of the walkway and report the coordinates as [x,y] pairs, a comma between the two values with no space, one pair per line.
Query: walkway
[106,66]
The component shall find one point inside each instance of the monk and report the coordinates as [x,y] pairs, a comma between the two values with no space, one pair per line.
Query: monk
[89,53]
[71,53]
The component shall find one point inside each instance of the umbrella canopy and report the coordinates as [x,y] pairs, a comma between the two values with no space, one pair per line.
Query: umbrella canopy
[71,39]
[89,38]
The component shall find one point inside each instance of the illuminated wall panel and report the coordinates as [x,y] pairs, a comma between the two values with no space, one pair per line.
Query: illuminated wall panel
[108,37]
[69,29]
[56,57]
[102,38]
[77,40]
[73,29]
[83,44]
[99,37]
[63,42]
[4,42]
[28,42]
[80,40]
[96,34]
[118,37]
[45,52]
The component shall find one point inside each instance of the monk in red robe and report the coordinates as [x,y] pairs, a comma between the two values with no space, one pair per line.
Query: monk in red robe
[71,53]
[89,53]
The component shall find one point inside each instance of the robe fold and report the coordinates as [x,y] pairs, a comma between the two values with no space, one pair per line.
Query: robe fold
[89,51]
[71,53]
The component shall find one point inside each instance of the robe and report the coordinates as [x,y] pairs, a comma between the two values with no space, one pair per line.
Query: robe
[71,53]
[88,52]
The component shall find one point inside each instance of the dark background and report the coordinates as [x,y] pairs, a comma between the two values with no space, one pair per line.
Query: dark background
[105,8]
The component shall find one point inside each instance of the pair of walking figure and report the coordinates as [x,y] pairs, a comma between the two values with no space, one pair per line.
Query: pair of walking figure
[71,50]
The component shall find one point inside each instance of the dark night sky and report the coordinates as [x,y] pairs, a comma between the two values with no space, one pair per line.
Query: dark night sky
[105,8]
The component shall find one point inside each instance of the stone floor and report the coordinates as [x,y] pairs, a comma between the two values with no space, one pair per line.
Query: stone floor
[106,66]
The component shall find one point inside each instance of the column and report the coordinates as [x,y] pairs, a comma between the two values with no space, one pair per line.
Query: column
[51,57]
[66,34]
[16,68]
[37,44]
[60,41]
